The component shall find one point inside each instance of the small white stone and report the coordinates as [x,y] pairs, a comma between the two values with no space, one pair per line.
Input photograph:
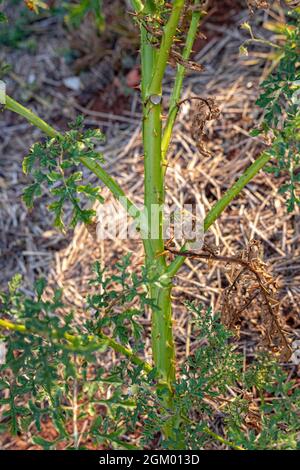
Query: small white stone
[73,83]
[31,78]
[2,92]
[3,351]
[295,358]
[296,94]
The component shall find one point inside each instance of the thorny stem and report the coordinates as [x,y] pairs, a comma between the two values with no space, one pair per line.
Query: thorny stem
[163,349]
[137,5]
[94,342]
[164,50]
[173,108]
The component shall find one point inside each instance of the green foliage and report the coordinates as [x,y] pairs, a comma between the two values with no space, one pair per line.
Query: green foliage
[260,393]
[2,15]
[201,395]
[122,288]
[276,419]
[46,369]
[49,378]
[17,34]
[280,100]
[52,164]
[43,369]
[76,12]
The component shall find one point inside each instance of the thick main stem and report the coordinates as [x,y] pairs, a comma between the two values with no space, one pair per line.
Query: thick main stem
[162,339]
[163,349]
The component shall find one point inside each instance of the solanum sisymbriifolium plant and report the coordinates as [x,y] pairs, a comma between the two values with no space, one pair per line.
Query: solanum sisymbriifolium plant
[49,363]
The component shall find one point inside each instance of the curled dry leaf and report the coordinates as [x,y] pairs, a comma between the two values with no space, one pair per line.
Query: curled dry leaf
[252,283]
[206,110]
[258,4]
[176,58]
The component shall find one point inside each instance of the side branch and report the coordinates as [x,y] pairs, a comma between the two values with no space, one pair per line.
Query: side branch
[164,51]
[73,341]
[221,205]
[173,106]
[235,190]
[111,184]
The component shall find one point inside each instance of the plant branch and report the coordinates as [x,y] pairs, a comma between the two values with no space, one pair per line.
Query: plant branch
[165,47]
[17,108]
[137,5]
[73,340]
[206,430]
[163,350]
[153,178]
[264,42]
[221,205]
[173,106]
[235,190]
[111,184]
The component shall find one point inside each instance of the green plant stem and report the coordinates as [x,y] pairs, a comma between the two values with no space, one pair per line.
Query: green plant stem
[206,430]
[235,190]
[17,108]
[137,5]
[162,337]
[153,200]
[173,106]
[163,348]
[165,47]
[262,41]
[95,342]
[222,440]
[221,205]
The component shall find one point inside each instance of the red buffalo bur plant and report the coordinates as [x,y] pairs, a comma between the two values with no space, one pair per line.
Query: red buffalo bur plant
[49,364]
